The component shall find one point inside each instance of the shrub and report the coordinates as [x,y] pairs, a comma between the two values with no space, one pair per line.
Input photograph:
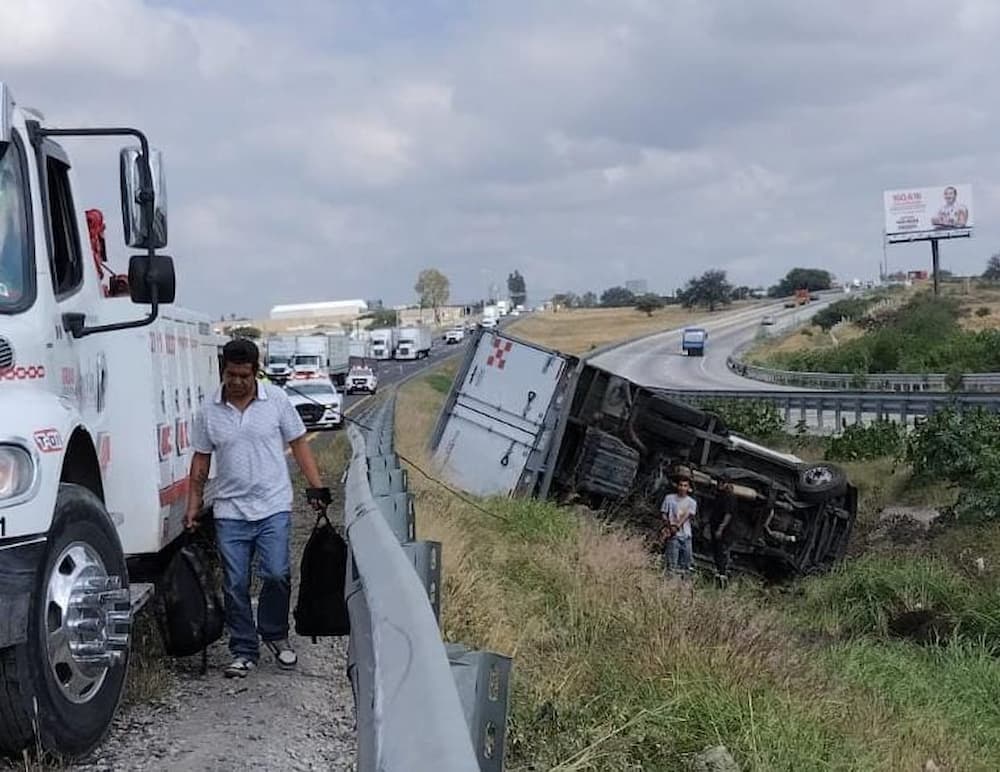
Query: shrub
[982,311]
[960,448]
[755,419]
[861,442]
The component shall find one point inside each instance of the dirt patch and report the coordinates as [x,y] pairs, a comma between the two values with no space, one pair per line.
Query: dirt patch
[271,720]
[927,627]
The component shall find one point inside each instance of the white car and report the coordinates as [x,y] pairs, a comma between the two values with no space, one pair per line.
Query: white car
[361,378]
[489,322]
[767,321]
[317,401]
[454,335]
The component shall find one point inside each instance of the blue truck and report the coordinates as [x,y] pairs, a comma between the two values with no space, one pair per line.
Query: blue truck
[693,341]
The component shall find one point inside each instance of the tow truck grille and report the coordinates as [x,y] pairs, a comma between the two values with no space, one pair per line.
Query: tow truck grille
[310,413]
[6,354]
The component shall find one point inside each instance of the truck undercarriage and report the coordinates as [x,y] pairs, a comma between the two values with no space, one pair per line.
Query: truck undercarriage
[620,442]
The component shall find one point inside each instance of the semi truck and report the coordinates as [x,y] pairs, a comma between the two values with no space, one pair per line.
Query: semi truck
[278,358]
[523,420]
[321,356]
[383,342]
[693,341]
[100,377]
[414,342]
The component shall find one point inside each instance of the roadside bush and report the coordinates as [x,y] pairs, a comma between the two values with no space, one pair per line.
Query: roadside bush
[860,442]
[983,311]
[921,337]
[851,309]
[960,448]
[755,419]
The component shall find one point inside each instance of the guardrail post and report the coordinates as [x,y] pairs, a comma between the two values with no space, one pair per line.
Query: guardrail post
[397,509]
[483,681]
[426,559]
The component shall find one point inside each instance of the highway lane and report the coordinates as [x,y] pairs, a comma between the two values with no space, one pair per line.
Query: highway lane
[658,361]
[392,371]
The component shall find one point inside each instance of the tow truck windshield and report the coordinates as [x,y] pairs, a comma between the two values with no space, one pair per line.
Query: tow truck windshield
[14,267]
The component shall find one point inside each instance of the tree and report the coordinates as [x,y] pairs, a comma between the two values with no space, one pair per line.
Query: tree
[992,271]
[811,279]
[382,317]
[433,288]
[617,297]
[565,300]
[589,300]
[244,331]
[741,293]
[711,289]
[516,290]
[649,303]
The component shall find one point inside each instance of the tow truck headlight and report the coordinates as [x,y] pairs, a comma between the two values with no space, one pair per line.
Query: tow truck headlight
[17,470]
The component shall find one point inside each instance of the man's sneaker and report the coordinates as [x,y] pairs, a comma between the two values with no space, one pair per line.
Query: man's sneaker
[283,653]
[241,667]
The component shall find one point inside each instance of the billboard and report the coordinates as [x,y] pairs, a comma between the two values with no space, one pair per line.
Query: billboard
[928,212]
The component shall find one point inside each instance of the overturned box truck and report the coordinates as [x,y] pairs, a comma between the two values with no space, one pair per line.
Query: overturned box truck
[96,400]
[524,420]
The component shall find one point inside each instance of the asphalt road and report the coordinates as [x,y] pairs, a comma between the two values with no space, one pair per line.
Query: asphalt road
[392,371]
[658,361]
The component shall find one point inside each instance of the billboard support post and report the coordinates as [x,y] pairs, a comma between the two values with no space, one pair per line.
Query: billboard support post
[935,263]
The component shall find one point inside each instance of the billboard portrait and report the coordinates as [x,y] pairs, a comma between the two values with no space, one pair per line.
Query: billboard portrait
[929,211]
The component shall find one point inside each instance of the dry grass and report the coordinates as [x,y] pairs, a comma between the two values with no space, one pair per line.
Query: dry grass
[579,330]
[970,301]
[805,339]
[617,668]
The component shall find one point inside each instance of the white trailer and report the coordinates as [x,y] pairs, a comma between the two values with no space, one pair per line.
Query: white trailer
[414,342]
[278,357]
[384,342]
[96,402]
[338,353]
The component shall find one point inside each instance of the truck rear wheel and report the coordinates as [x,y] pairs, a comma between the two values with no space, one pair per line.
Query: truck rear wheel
[67,679]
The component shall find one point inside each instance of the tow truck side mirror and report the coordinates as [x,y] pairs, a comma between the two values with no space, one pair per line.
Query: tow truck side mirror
[145,273]
[139,232]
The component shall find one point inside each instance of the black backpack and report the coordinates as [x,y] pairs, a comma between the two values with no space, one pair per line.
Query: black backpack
[191,609]
[321,608]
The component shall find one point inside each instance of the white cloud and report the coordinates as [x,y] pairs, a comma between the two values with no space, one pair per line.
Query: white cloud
[347,147]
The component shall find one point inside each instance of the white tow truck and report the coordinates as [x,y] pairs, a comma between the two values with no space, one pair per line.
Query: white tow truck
[96,402]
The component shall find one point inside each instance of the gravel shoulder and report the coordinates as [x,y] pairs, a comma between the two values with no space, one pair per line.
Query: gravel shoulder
[271,720]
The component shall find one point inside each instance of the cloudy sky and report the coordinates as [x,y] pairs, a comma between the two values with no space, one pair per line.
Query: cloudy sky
[334,152]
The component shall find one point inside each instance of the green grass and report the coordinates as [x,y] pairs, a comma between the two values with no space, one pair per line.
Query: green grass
[440,382]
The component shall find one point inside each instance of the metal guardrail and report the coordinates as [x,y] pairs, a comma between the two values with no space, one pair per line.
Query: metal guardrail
[887,382]
[421,705]
[898,406]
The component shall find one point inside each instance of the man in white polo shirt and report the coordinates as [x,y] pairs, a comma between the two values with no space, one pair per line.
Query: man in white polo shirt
[246,426]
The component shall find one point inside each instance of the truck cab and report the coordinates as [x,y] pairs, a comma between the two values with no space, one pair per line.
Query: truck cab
[693,341]
[96,397]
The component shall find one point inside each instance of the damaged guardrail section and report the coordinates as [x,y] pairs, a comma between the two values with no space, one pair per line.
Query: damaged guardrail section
[421,705]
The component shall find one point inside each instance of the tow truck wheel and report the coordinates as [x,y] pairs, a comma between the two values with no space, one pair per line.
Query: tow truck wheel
[68,678]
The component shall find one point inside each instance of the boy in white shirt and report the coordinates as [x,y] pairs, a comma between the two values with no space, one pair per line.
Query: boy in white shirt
[677,510]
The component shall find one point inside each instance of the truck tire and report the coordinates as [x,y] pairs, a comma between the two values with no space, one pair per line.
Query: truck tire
[44,682]
[819,482]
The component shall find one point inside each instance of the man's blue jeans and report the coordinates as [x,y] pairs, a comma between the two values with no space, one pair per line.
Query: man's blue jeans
[678,554]
[238,541]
